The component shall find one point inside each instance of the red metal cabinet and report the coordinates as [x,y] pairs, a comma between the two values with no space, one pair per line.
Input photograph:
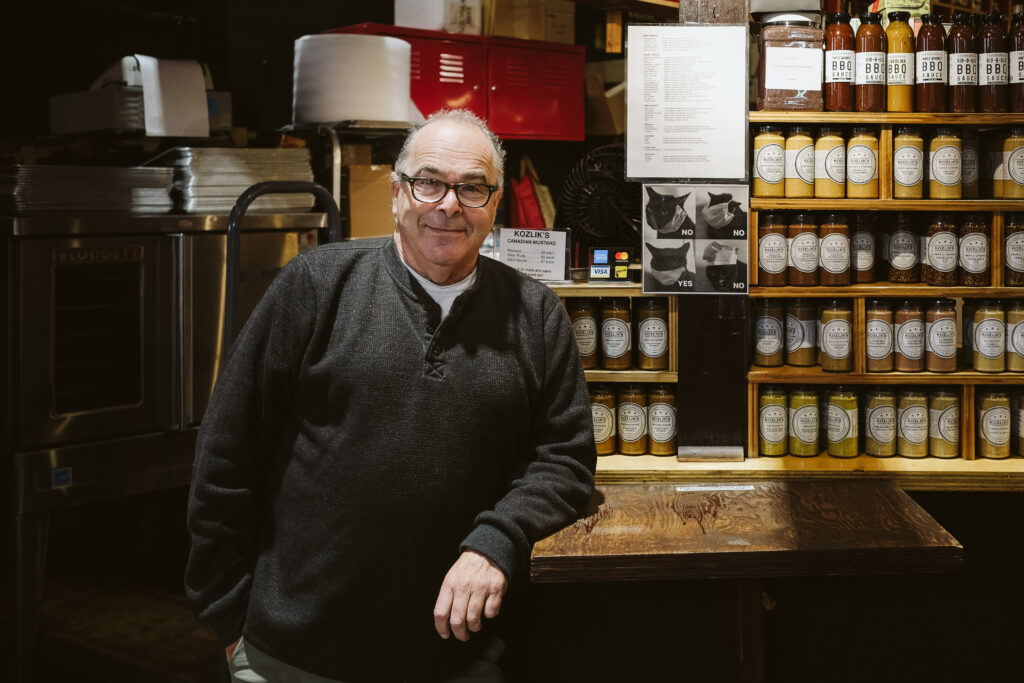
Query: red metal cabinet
[524,89]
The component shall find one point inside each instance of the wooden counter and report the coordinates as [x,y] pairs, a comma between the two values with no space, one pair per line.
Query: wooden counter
[746,529]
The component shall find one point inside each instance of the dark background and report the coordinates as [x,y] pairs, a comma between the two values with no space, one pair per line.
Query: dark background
[962,627]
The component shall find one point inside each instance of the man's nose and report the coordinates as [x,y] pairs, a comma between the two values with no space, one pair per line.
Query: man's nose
[450,201]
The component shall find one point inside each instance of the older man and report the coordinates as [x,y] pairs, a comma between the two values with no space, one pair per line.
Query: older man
[398,422]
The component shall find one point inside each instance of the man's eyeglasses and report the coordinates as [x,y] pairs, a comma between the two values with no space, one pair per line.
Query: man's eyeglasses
[431,191]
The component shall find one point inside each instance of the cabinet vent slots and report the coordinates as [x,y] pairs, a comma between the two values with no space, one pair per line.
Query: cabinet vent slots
[452,68]
[518,73]
[415,64]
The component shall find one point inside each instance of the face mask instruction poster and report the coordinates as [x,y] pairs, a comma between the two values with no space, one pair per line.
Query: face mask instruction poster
[686,102]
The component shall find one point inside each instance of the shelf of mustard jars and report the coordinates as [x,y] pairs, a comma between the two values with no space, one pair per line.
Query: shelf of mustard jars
[935,205]
[883,118]
[886,289]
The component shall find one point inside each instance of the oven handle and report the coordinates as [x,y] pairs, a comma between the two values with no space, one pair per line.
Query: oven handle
[234,239]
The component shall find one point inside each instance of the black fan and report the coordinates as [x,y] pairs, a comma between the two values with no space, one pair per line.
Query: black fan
[599,205]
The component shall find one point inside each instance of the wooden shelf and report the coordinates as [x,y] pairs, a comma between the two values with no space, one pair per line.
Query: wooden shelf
[864,117]
[664,9]
[785,374]
[587,289]
[958,205]
[619,376]
[886,289]
[924,474]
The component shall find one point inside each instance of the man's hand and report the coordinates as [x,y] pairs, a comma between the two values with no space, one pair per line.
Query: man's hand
[472,585]
[230,649]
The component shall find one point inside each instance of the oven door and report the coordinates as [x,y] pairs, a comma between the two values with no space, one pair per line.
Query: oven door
[96,316]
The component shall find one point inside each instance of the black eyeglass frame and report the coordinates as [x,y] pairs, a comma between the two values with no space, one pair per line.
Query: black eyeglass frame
[491,189]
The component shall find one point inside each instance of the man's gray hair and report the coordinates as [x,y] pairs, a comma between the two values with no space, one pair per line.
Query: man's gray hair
[462,116]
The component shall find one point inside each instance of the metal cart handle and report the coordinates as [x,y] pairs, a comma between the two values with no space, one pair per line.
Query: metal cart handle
[235,240]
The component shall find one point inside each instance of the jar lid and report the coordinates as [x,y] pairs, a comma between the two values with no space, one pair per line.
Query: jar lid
[963,18]
[1018,17]
[793,130]
[992,18]
[871,18]
[942,302]
[1015,219]
[912,304]
[975,219]
[835,218]
[837,303]
[930,18]
[951,132]
[900,16]
[862,130]
[803,218]
[791,19]
[943,218]
[908,130]
[1017,131]
[830,130]
[769,128]
[879,303]
[839,18]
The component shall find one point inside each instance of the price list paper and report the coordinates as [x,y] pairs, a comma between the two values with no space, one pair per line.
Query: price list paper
[686,102]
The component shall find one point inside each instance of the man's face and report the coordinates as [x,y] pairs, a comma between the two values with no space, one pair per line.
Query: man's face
[441,240]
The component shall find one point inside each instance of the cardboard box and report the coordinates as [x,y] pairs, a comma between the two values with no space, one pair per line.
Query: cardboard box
[369,201]
[551,20]
[453,16]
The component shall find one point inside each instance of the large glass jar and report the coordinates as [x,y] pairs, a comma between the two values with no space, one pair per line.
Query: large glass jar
[944,424]
[909,333]
[989,337]
[1013,164]
[880,423]
[940,336]
[772,250]
[829,164]
[904,245]
[993,428]
[843,430]
[879,335]
[602,412]
[769,161]
[652,337]
[583,314]
[912,424]
[631,414]
[974,259]
[839,63]
[869,80]
[941,252]
[799,163]
[863,244]
[803,250]
[801,332]
[1013,254]
[661,420]
[772,422]
[834,250]
[962,46]
[616,334]
[900,63]
[908,163]
[836,336]
[769,332]
[993,67]
[862,164]
[788,36]
[804,419]
[930,89]
[945,165]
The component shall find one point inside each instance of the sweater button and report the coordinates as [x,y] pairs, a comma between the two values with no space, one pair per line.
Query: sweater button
[436,349]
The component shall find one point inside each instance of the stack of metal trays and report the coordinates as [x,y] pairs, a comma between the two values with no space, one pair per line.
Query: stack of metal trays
[210,179]
[40,189]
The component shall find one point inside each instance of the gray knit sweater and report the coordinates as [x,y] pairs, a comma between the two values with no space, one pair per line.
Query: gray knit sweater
[355,444]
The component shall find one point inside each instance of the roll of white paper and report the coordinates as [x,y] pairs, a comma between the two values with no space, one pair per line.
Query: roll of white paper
[343,77]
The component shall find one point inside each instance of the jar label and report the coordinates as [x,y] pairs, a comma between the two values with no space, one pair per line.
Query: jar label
[1015,252]
[831,165]
[863,250]
[803,252]
[836,339]
[908,165]
[662,419]
[800,334]
[652,337]
[585,330]
[881,424]
[922,250]
[770,163]
[963,68]
[944,164]
[615,337]
[931,66]
[800,164]
[870,68]
[945,424]
[993,68]
[861,164]
[974,252]
[913,424]
[969,165]
[803,423]
[902,250]
[842,423]
[900,67]
[839,66]
[990,338]
[910,339]
[835,253]
[604,422]
[772,253]
[942,251]
[940,338]
[772,419]
[1017,66]
[1015,338]
[879,338]
[768,335]
[1014,163]
[995,425]
[632,422]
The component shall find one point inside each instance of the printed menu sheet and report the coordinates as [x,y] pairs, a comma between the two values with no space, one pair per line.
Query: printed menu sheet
[686,102]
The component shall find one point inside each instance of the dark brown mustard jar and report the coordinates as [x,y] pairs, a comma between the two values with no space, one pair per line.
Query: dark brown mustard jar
[1013,253]
[583,313]
[652,338]
[909,333]
[803,250]
[993,66]
[631,420]
[878,336]
[974,257]
[869,80]
[962,46]
[661,420]
[602,413]
[931,63]
[840,58]
[941,249]
[616,334]
[940,336]
[904,247]
[862,247]
[772,250]
[1016,39]
[769,332]
[834,250]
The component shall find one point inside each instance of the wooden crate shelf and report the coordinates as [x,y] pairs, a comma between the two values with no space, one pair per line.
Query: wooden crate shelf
[815,375]
[931,205]
[881,118]
[640,376]
[885,290]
